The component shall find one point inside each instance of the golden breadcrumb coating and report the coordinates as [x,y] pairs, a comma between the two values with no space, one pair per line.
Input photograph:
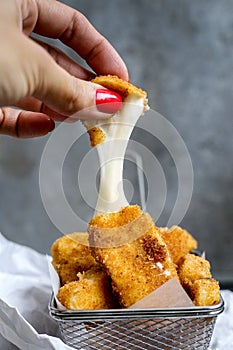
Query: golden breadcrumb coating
[192,268]
[117,219]
[205,292]
[195,277]
[97,136]
[91,291]
[123,88]
[137,268]
[179,241]
[71,254]
[67,272]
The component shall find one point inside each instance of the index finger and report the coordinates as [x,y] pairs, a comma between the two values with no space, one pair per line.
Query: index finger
[58,21]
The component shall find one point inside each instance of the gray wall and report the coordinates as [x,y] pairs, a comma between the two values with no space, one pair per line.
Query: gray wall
[181,52]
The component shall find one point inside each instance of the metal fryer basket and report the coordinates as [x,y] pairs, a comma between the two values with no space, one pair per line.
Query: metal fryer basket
[165,329]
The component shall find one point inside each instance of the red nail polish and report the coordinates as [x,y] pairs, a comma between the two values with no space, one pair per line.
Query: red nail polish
[108,101]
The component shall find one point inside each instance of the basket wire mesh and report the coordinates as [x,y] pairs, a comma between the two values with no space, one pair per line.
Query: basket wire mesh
[161,329]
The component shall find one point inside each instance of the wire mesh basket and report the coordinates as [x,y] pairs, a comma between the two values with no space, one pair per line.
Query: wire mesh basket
[165,329]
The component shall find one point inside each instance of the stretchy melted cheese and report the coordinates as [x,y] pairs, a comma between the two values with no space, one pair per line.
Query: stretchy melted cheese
[111,136]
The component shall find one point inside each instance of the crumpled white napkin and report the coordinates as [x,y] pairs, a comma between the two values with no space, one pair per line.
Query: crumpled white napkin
[25,289]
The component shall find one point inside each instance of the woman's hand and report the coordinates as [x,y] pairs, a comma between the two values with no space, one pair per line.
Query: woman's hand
[40,79]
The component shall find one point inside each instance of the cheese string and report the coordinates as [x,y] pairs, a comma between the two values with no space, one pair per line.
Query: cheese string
[111,154]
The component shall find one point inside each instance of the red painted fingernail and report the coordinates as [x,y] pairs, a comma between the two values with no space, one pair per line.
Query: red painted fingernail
[108,101]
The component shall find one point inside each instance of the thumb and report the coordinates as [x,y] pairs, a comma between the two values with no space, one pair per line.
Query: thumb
[71,96]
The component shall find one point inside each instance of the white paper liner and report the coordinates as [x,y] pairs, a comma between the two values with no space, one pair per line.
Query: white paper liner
[170,294]
[55,281]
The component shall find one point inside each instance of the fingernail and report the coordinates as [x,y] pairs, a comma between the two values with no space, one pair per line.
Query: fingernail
[108,101]
[37,125]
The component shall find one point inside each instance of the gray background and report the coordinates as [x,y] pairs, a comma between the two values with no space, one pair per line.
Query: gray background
[181,52]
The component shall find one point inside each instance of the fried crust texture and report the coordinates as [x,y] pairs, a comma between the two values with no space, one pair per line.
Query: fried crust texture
[179,241]
[71,255]
[196,278]
[136,268]
[91,291]
[205,292]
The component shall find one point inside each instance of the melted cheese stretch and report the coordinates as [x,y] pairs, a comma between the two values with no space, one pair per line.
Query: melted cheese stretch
[112,152]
